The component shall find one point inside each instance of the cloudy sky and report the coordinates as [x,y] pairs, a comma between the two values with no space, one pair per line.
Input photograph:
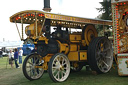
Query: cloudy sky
[81,8]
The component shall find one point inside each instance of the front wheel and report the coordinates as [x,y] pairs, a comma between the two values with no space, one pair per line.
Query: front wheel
[30,64]
[59,67]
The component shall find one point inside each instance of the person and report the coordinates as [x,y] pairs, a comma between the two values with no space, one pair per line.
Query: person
[1,53]
[20,55]
[11,58]
[16,58]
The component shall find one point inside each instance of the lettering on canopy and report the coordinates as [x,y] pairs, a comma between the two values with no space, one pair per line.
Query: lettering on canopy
[75,19]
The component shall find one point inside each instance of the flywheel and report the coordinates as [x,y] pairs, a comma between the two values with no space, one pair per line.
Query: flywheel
[88,33]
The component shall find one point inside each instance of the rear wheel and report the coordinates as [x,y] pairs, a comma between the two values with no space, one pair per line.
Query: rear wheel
[100,57]
[59,67]
[29,67]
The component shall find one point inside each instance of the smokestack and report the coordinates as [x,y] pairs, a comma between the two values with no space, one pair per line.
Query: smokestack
[47,7]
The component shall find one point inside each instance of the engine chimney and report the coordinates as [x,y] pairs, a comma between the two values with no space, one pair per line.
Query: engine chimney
[47,7]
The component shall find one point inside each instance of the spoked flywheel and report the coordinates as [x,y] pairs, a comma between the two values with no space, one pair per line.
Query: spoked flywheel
[88,33]
[100,57]
[59,67]
[31,68]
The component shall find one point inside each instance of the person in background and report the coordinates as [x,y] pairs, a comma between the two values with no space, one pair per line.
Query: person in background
[11,58]
[16,58]
[1,53]
[20,55]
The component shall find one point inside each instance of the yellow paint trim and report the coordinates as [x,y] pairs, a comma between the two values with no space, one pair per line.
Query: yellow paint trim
[77,56]
[73,56]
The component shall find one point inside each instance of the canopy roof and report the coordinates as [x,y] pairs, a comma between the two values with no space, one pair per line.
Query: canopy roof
[29,16]
[116,1]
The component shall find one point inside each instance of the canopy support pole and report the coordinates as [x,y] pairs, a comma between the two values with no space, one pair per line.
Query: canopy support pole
[103,30]
[22,28]
[36,24]
[18,30]
[42,26]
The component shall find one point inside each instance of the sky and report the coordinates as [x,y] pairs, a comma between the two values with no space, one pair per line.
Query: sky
[80,8]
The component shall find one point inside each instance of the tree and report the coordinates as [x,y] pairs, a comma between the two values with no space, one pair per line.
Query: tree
[105,10]
[106,14]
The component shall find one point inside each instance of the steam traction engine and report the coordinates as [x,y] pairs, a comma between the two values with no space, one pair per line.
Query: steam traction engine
[59,48]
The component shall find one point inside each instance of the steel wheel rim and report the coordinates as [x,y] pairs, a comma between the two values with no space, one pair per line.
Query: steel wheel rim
[104,55]
[60,68]
[32,72]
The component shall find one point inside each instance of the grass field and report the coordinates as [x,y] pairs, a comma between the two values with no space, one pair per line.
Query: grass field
[13,76]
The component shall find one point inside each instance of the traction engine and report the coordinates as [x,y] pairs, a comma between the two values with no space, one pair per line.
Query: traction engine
[62,43]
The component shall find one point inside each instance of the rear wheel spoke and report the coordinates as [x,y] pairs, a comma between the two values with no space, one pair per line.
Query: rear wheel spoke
[106,64]
[97,58]
[106,49]
[104,43]
[108,57]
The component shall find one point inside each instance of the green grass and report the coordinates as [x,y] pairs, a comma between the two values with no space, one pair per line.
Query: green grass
[13,76]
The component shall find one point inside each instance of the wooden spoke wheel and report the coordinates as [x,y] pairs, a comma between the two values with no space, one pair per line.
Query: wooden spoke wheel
[100,55]
[88,33]
[29,67]
[59,67]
